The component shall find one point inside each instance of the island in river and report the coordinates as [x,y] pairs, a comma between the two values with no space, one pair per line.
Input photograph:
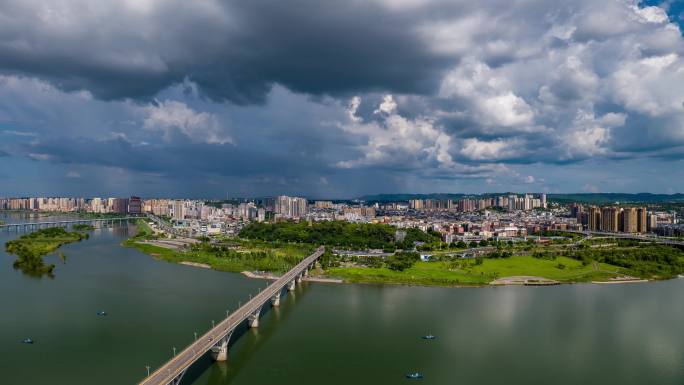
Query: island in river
[32,247]
[277,247]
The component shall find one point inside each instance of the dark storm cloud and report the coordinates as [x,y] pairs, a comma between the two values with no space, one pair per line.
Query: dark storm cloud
[174,160]
[338,97]
[233,50]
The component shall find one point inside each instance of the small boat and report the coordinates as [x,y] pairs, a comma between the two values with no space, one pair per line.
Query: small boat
[27,341]
[414,375]
[429,337]
[102,313]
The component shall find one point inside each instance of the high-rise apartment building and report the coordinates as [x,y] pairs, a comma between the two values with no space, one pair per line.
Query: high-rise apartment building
[291,207]
[610,219]
[629,220]
[178,210]
[135,205]
[511,202]
[642,225]
[323,204]
[594,218]
[119,205]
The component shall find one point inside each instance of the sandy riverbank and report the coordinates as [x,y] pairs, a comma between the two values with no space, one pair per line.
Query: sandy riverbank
[272,277]
[526,280]
[195,264]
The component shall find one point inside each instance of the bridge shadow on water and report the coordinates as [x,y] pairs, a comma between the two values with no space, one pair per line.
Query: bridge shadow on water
[269,318]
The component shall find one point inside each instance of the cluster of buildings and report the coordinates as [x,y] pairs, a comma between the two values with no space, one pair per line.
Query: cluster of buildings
[623,219]
[509,202]
[132,205]
[615,219]
[290,207]
[507,216]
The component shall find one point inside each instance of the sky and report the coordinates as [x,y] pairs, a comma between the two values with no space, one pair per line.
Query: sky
[214,99]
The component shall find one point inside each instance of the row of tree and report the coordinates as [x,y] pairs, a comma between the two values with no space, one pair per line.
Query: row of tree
[338,234]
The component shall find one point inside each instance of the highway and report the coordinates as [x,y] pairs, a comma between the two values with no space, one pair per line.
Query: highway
[172,371]
[639,237]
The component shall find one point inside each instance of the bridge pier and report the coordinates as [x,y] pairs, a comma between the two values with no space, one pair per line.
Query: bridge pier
[219,352]
[291,285]
[299,278]
[275,300]
[253,319]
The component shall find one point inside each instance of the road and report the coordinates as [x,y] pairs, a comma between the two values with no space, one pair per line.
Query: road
[639,237]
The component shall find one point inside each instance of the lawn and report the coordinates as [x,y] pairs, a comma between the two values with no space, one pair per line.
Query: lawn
[444,273]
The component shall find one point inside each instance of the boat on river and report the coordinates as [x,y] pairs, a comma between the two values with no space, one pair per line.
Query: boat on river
[428,337]
[102,313]
[27,341]
[414,375]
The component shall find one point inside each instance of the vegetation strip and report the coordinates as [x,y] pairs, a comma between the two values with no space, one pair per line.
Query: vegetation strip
[412,256]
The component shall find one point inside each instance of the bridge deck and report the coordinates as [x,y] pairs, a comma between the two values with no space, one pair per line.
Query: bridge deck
[635,236]
[174,368]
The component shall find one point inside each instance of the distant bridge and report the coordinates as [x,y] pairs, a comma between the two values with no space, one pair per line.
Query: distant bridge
[216,340]
[29,226]
[638,237]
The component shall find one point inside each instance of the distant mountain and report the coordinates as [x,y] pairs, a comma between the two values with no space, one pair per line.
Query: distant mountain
[597,198]
[407,197]
[605,198]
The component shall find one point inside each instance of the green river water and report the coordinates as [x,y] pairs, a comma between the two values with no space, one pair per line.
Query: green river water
[326,333]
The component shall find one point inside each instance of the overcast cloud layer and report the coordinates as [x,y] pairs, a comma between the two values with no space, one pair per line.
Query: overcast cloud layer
[208,98]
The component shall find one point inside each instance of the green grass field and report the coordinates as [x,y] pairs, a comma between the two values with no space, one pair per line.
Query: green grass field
[274,260]
[440,273]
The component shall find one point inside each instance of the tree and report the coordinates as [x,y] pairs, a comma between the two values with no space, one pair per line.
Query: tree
[402,261]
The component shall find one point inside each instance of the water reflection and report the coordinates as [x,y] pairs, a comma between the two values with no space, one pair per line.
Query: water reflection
[329,333]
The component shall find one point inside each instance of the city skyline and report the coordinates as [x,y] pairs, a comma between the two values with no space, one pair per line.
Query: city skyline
[116,98]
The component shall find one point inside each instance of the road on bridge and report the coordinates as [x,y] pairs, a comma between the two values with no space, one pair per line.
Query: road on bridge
[638,237]
[172,371]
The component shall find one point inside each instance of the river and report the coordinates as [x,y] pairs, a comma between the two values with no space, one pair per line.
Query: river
[327,333]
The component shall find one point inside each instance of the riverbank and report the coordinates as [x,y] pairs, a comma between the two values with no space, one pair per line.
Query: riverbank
[484,272]
[272,277]
[548,265]
[230,255]
[195,264]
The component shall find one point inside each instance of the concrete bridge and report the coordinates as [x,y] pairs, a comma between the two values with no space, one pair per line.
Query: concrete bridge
[638,237]
[216,340]
[29,226]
